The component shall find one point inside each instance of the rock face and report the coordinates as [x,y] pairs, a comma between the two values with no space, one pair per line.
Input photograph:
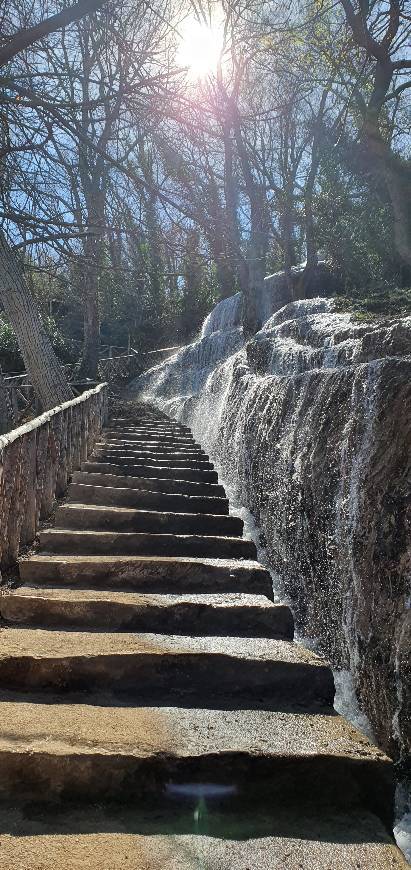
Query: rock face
[310,423]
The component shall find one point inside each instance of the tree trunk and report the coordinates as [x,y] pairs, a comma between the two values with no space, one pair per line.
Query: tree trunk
[6,412]
[287,234]
[253,290]
[254,297]
[45,372]
[91,330]
[231,201]
[310,235]
[225,277]
[396,174]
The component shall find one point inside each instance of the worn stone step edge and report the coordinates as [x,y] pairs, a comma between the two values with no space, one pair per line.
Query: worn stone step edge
[153,460]
[149,573]
[101,837]
[149,453]
[183,474]
[96,751]
[150,446]
[156,668]
[164,431]
[107,496]
[151,449]
[166,443]
[152,484]
[115,518]
[141,543]
[229,614]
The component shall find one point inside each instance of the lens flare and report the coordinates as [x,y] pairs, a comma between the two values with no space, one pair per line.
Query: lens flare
[200,48]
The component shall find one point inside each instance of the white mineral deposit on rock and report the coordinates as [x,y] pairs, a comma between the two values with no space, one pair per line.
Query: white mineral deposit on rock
[307,423]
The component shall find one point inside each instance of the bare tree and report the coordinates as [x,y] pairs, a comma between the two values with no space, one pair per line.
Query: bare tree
[6,416]
[383,34]
[47,376]
[17,42]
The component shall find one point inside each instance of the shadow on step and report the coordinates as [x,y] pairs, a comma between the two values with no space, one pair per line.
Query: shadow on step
[199,816]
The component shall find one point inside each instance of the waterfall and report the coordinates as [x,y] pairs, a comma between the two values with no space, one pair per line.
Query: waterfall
[309,424]
[224,317]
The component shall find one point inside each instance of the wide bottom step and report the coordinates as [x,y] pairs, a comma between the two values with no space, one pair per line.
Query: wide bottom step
[193,834]
[90,751]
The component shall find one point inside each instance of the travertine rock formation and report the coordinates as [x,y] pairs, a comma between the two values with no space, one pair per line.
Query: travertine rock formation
[311,424]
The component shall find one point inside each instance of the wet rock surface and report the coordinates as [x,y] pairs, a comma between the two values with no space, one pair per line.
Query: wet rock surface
[310,423]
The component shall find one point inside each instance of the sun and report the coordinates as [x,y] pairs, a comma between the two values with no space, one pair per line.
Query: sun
[200,47]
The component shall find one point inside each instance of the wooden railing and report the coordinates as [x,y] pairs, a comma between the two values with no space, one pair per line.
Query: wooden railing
[22,398]
[36,461]
[162,353]
[122,367]
[23,404]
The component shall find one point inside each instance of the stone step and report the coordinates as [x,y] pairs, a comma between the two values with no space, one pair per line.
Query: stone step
[133,458]
[151,484]
[161,443]
[236,614]
[156,419]
[144,544]
[152,418]
[123,519]
[134,498]
[76,751]
[171,837]
[157,668]
[170,458]
[148,574]
[148,444]
[163,472]
[142,449]
[150,436]
[163,431]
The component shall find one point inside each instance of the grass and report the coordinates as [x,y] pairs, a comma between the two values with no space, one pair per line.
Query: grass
[376,303]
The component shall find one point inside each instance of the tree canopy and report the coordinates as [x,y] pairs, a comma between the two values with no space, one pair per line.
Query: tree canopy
[158,156]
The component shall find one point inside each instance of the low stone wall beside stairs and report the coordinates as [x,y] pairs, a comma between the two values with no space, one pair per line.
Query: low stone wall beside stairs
[36,461]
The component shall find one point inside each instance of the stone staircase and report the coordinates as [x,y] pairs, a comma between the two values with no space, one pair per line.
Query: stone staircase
[155,710]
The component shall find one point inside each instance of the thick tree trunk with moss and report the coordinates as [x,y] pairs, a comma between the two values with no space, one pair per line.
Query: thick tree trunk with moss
[46,374]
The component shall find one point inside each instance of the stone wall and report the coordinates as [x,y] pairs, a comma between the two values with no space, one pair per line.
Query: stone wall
[36,461]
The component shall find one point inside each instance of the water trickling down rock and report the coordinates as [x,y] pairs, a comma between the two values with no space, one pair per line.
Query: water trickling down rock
[311,424]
